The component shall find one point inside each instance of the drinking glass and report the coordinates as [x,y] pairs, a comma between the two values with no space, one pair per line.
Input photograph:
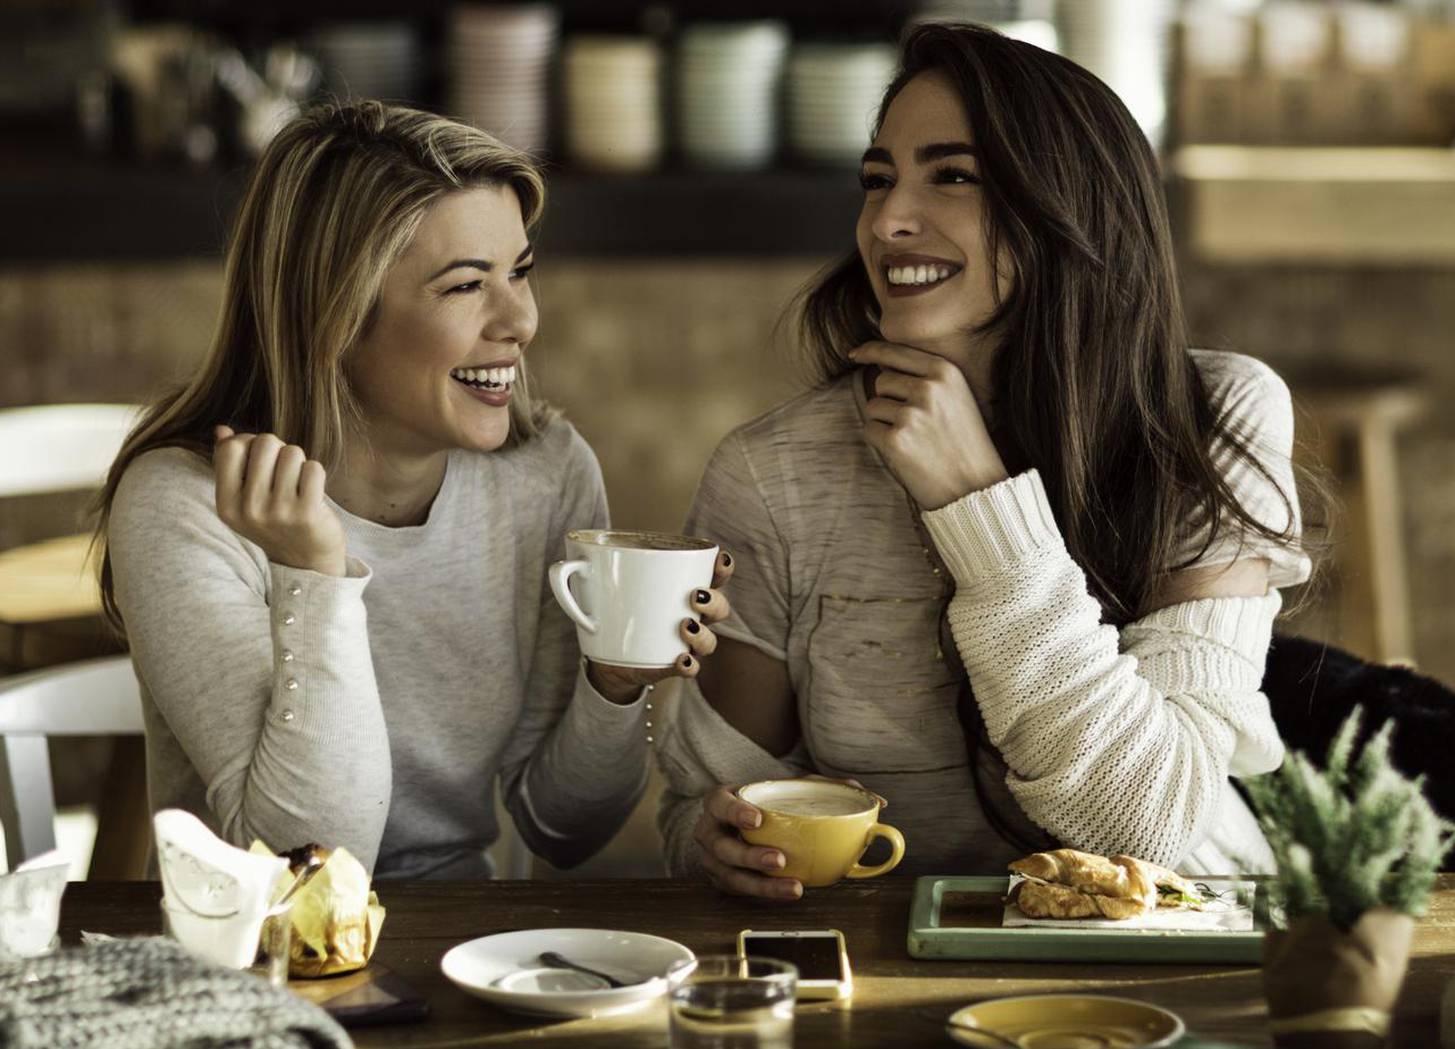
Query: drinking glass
[732,1001]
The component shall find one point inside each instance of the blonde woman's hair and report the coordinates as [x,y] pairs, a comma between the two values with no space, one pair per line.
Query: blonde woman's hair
[334,201]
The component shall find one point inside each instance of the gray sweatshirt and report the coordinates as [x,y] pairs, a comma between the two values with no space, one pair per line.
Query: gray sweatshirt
[376,711]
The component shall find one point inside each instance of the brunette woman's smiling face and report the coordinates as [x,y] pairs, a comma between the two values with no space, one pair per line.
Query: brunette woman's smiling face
[922,230]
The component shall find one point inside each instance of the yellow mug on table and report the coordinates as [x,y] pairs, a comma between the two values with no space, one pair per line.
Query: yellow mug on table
[821,827]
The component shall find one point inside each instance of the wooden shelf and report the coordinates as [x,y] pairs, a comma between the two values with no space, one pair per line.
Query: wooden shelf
[1235,204]
[1365,206]
[94,210]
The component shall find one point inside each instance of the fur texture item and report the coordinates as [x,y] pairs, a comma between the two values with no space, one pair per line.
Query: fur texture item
[1313,687]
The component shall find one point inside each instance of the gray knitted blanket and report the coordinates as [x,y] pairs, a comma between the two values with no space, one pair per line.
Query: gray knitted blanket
[151,994]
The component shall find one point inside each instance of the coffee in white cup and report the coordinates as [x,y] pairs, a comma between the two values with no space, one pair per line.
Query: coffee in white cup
[628,593]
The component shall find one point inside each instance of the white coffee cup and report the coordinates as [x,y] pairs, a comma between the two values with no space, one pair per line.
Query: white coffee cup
[632,591]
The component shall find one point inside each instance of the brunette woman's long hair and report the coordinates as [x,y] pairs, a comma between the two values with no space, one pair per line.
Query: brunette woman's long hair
[1093,382]
[1094,385]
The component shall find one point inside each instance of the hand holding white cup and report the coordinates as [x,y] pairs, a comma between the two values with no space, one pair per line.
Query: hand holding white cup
[642,603]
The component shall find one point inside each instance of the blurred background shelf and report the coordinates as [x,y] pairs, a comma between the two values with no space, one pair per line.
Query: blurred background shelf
[1269,204]
[114,212]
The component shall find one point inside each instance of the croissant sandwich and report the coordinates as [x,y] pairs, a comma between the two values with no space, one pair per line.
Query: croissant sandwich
[1065,883]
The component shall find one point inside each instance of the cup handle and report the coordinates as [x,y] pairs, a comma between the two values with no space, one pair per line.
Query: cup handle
[561,573]
[896,845]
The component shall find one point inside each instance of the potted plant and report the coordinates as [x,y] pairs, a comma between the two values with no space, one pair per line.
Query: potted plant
[1357,847]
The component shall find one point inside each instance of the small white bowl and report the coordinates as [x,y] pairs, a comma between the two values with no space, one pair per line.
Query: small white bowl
[505,970]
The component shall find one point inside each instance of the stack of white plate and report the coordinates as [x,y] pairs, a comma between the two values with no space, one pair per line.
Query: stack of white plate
[369,59]
[834,91]
[499,63]
[989,12]
[728,76]
[613,106]
[1127,44]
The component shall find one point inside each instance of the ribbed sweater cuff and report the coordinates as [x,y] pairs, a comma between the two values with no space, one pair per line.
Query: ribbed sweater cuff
[986,530]
[1243,624]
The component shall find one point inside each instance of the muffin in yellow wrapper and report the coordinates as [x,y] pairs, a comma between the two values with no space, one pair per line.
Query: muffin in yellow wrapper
[336,917]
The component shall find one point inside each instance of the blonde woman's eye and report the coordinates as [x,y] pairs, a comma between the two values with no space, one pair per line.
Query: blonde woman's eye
[468,286]
[521,272]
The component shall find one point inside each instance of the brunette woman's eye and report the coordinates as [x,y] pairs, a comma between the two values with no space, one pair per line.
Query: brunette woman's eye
[871,182]
[460,289]
[521,272]
[955,177]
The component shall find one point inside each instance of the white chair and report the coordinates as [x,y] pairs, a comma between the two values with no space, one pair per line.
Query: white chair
[510,854]
[60,447]
[92,698]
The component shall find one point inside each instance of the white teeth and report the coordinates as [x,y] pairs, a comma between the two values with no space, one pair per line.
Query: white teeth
[928,274]
[485,376]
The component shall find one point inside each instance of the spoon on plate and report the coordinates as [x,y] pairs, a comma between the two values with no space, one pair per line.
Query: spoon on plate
[985,1032]
[557,961]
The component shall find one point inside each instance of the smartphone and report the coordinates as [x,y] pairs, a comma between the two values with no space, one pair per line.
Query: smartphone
[820,955]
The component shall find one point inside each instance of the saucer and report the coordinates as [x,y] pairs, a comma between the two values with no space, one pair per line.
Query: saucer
[505,970]
[1068,1021]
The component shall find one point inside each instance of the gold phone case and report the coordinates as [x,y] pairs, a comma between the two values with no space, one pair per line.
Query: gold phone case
[824,989]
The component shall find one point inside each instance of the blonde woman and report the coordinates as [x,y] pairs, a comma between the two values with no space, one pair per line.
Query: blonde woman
[329,548]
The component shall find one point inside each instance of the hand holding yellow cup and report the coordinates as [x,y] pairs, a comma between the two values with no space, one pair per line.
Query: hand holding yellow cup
[822,828]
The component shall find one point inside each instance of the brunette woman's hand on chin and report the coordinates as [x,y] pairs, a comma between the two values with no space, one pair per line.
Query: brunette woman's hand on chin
[624,684]
[272,494]
[924,420]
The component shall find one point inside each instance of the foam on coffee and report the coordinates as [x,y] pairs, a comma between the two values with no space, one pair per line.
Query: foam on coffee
[816,804]
[640,540]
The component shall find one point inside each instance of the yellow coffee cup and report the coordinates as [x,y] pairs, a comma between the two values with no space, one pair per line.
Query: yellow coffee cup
[821,827]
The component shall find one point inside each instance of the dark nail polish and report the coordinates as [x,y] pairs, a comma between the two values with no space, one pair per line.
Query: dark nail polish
[692,627]
[703,597]
[727,560]
[686,662]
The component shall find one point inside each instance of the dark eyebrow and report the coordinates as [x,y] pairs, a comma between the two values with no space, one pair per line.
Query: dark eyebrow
[941,150]
[478,264]
[924,155]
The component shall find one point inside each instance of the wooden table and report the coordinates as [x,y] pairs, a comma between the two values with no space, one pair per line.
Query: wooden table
[898,1001]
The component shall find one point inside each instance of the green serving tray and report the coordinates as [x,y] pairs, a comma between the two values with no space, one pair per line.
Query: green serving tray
[939,930]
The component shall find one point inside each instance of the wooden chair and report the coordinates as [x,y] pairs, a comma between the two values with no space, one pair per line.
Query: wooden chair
[1357,417]
[95,697]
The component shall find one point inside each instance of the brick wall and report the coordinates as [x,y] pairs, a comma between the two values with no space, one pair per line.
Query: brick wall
[655,361]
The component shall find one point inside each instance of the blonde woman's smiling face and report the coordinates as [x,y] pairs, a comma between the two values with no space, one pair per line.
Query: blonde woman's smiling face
[455,315]
[922,230]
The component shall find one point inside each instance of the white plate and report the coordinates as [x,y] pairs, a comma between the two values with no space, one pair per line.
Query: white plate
[504,970]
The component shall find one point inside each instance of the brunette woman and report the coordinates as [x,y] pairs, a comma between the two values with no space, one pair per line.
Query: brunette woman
[1014,564]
